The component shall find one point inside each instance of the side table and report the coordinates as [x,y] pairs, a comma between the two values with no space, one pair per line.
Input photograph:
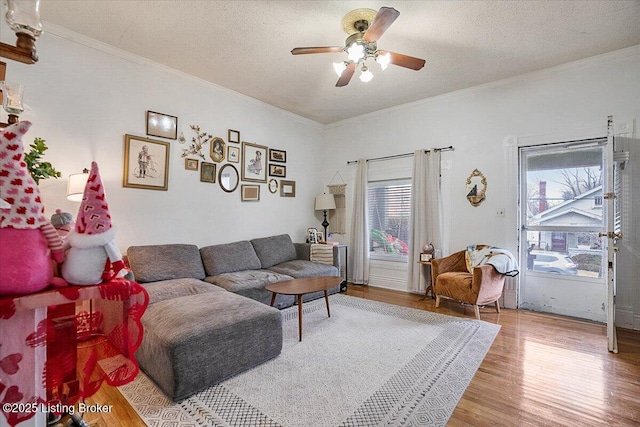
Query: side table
[343,284]
[429,288]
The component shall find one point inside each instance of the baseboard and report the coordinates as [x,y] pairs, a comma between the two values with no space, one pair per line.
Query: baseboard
[627,319]
[510,298]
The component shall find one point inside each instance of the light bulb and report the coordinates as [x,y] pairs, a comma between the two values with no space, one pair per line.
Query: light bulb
[366,75]
[339,67]
[356,52]
[383,60]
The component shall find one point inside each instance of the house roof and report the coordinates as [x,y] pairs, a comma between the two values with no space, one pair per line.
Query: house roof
[568,207]
[245,45]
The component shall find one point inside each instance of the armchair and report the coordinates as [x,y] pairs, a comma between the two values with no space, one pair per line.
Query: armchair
[451,279]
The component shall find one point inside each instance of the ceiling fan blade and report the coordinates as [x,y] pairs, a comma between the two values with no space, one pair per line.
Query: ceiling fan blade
[405,60]
[348,72]
[323,49]
[382,21]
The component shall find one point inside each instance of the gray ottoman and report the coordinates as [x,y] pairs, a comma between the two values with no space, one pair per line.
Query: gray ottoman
[195,341]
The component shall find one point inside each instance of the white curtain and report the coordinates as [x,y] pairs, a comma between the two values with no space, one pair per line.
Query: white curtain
[426,214]
[359,242]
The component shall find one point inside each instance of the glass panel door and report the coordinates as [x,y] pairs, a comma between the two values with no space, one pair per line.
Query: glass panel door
[562,214]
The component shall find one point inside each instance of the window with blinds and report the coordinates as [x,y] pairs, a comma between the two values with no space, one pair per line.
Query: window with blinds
[389,205]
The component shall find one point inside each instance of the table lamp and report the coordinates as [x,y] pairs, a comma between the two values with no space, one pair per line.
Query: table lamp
[325,202]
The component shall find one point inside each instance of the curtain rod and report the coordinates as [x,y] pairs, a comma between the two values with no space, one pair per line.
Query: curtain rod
[396,156]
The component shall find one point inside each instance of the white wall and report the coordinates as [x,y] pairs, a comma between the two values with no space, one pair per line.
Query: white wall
[477,122]
[83,97]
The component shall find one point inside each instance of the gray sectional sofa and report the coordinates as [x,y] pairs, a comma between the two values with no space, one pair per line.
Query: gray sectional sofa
[208,317]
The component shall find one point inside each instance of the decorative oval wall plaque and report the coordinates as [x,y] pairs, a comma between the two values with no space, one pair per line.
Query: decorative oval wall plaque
[476,187]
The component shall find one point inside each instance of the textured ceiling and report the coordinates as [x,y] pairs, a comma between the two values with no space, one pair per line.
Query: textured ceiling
[245,45]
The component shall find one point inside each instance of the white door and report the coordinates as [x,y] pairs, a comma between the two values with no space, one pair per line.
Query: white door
[562,215]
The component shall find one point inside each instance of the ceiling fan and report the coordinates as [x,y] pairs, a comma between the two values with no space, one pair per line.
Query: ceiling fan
[364,27]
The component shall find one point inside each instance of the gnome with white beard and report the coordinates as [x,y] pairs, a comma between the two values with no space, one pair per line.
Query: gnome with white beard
[93,256]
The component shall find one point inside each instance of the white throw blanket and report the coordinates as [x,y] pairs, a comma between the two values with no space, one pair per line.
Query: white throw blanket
[322,253]
[501,259]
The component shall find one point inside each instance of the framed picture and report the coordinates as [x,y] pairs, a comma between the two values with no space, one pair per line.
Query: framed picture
[217,149]
[233,136]
[146,163]
[250,193]
[191,164]
[277,156]
[277,170]
[273,186]
[254,162]
[233,154]
[208,172]
[287,188]
[320,236]
[312,235]
[162,125]
[425,257]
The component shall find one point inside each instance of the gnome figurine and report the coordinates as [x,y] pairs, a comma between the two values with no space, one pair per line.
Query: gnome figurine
[28,241]
[93,255]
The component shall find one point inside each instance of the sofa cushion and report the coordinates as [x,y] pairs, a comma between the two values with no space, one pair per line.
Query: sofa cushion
[301,268]
[153,263]
[274,250]
[175,288]
[251,283]
[230,257]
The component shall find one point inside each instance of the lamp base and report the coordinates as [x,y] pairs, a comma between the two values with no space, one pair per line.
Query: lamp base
[325,224]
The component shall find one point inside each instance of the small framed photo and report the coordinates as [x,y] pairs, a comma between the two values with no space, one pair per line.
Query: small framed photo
[217,149]
[254,162]
[320,236]
[162,125]
[277,170]
[425,257]
[208,172]
[191,164]
[312,235]
[233,154]
[146,163]
[233,136]
[250,193]
[277,156]
[287,188]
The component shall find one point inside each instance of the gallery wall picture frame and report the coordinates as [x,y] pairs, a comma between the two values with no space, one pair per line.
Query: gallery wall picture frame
[191,164]
[162,125]
[217,149]
[277,170]
[287,188]
[273,186]
[250,192]
[146,163]
[208,172]
[233,154]
[228,178]
[254,162]
[277,156]
[233,136]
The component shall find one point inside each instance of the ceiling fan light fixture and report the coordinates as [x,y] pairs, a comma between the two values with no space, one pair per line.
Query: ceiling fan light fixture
[365,75]
[384,60]
[355,52]
[339,67]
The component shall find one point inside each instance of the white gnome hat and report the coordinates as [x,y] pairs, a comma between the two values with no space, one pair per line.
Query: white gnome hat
[17,187]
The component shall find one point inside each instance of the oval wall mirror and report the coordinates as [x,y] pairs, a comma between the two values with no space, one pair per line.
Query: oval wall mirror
[273,186]
[228,178]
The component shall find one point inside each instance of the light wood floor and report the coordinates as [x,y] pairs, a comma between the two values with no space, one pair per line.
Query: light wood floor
[541,370]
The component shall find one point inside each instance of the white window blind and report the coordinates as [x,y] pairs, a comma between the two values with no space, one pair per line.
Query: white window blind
[389,214]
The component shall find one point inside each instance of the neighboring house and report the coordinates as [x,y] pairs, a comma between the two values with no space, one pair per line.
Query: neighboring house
[585,210]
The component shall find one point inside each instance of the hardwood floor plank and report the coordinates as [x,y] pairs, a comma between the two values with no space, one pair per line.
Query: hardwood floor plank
[542,370]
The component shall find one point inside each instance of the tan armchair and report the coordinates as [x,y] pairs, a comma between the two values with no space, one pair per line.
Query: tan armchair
[451,279]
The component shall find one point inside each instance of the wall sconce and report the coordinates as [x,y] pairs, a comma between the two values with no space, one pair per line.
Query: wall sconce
[12,100]
[75,187]
[24,19]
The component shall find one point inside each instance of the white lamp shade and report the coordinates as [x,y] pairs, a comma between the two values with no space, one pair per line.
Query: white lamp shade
[75,187]
[325,202]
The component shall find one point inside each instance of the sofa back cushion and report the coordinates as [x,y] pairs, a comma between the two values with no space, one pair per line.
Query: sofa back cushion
[164,262]
[230,257]
[274,250]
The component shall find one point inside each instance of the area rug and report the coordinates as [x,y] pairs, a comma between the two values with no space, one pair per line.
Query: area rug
[369,364]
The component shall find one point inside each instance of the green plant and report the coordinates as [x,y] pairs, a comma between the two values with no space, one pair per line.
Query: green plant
[37,168]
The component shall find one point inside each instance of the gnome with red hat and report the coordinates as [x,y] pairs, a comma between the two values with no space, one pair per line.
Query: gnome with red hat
[93,255]
[28,241]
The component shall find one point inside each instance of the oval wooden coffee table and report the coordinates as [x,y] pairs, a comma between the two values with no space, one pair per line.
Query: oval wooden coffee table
[299,287]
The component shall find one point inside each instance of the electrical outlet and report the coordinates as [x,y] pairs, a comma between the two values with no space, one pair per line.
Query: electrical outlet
[500,213]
